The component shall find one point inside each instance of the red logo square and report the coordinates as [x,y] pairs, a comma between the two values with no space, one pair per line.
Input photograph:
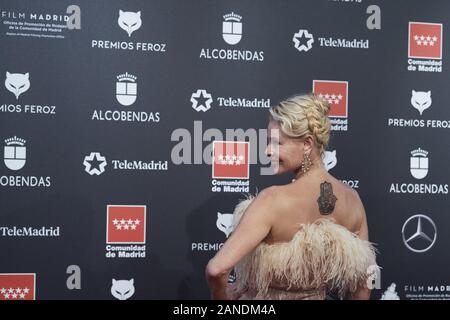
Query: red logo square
[336,93]
[17,286]
[125,224]
[425,40]
[230,160]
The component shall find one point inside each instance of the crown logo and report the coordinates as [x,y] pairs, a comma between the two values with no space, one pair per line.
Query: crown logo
[232,17]
[15,141]
[419,153]
[126,77]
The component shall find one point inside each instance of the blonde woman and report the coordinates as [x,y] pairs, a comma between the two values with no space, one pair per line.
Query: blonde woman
[303,239]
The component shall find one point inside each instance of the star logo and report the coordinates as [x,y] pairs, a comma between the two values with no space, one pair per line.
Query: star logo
[126,224]
[300,37]
[17,286]
[94,164]
[201,100]
[419,233]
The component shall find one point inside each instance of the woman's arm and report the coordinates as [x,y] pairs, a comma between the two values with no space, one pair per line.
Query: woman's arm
[254,226]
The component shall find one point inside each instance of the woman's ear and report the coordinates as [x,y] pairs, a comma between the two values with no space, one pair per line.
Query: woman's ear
[308,144]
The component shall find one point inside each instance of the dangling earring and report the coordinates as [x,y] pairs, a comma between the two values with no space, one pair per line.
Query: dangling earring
[306,164]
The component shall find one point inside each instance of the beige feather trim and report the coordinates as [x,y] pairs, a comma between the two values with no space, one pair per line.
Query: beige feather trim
[322,254]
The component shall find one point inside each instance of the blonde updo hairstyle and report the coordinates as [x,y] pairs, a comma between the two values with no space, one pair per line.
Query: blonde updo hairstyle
[303,115]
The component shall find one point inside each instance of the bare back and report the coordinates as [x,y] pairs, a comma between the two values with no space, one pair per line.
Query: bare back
[296,204]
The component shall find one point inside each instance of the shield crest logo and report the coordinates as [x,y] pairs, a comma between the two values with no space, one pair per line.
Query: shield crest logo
[232,28]
[126,89]
[15,153]
[419,163]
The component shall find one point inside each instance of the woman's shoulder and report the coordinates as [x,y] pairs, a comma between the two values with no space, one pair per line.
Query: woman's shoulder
[268,195]
[278,198]
[267,198]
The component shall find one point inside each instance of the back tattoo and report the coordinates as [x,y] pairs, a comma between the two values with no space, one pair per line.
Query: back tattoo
[327,199]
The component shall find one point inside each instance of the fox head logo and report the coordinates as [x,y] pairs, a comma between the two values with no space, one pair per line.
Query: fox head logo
[17,83]
[329,159]
[129,21]
[225,223]
[421,100]
[122,289]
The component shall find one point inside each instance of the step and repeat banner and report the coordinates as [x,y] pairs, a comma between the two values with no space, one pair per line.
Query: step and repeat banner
[131,129]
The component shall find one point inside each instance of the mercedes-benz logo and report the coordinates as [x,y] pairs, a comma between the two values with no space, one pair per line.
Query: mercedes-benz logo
[429,237]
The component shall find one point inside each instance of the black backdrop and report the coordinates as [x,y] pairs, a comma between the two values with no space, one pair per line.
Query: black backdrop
[178,49]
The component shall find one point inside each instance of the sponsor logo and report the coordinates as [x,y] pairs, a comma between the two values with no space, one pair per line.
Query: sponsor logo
[41,25]
[329,160]
[419,233]
[19,84]
[425,47]
[126,224]
[30,232]
[94,163]
[427,292]
[17,286]
[419,168]
[202,101]
[303,41]
[224,223]
[126,95]
[15,153]
[421,101]
[130,22]
[336,93]
[122,289]
[126,89]
[390,293]
[419,163]
[15,157]
[230,166]
[232,26]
